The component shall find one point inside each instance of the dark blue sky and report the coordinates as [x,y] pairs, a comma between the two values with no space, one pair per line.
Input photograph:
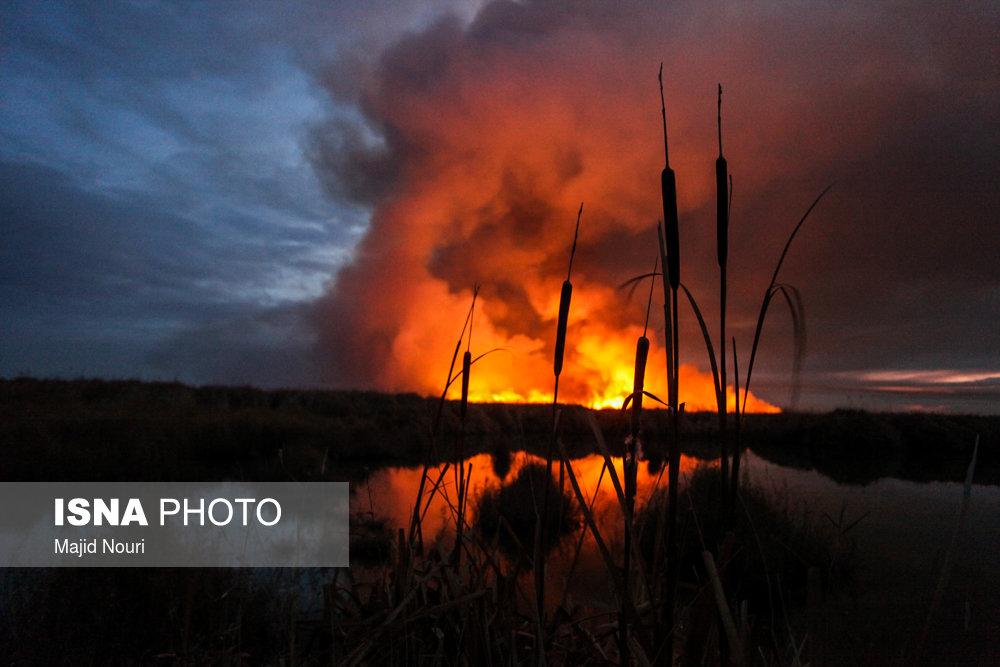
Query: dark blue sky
[180,184]
[156,198]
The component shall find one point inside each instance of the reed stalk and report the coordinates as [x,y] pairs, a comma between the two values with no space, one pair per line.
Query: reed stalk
[669,241]
[416,535]
[541,524]
[737,443]
[460,473]
[725,614]
[722,247]
[630,461]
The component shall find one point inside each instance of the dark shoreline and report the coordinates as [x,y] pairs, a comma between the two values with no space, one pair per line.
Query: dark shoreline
[117,430]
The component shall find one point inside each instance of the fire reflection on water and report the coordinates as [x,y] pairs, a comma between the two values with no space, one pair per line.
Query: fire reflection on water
[390,493]
[903,527]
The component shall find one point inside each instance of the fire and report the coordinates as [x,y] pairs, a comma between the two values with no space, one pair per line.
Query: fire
[598,374]
[477,180]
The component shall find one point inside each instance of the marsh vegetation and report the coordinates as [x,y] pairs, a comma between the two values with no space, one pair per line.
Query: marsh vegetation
[498,534]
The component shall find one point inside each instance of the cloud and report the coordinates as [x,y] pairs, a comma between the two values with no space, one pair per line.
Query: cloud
[84,273]
[492,132]
[251,194]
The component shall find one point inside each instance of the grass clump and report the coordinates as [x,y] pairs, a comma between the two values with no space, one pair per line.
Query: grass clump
[777,559]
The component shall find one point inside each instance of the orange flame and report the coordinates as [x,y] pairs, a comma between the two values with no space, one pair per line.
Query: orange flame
[598,371]
[484,166]
[600,377]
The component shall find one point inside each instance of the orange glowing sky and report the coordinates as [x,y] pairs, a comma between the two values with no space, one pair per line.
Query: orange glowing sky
[490,157]
[479,138]
[306,199]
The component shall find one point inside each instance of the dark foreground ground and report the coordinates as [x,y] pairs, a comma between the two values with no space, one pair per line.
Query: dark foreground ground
[107,431]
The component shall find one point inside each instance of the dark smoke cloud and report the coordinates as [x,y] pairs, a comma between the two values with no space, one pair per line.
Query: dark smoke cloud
[478,140]
[179,184]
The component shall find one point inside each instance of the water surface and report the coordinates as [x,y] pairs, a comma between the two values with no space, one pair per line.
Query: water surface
[898,531]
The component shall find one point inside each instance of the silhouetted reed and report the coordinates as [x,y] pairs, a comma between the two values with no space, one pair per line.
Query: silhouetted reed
[722,200]
[541,539]
[415,534]
[521,518]
[669,241]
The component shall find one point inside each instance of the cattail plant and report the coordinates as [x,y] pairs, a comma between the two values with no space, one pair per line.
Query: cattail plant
[721,195]
[416,537]
[421,506]
[631,462]
[737,444]
[722,247]
[461,481]
[668,238]
[669,241]
[641,356]
[564,299]
[541,531]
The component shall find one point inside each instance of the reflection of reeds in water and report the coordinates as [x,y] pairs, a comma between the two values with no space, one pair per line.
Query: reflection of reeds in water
[508,514]
[949,555]
[501,460]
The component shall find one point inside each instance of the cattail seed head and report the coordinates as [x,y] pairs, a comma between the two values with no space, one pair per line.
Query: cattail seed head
[466,367]
[668,188]
[564,300]
[722,209]
[639,381]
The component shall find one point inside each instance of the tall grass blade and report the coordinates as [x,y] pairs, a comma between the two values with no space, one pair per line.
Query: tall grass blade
[769,292]
[949,554]
[797,309]
[709,346]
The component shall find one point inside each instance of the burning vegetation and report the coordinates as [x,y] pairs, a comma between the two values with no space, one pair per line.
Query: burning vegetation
[644,582]
[475,179]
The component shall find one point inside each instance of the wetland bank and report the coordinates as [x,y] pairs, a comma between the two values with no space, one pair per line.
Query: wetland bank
[865,502]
